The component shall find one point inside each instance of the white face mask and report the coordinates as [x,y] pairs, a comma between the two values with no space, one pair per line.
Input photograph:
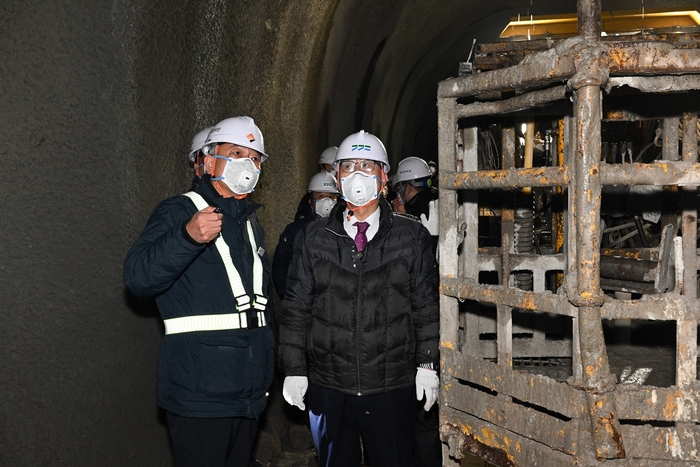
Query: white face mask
[240,175]
[324,207]
[359,188]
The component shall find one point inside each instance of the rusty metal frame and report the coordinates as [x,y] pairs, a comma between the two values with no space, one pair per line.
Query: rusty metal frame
[512,418]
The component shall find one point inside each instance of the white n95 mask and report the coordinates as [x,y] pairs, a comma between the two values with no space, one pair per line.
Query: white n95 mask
[359,188]
[324,207]
[240,175]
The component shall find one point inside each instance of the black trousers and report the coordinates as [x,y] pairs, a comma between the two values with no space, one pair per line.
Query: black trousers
[428,450]
[212,442]
[385,422]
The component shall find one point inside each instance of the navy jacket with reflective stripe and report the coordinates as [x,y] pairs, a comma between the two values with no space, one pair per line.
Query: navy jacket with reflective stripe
[212,373]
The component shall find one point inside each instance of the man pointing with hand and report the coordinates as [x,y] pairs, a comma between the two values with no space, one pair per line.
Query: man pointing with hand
[202,256]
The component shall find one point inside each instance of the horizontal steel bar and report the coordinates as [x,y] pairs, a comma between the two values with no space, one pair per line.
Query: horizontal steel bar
[538,390]
[679,173]
[538,69]
[499,295]
[499,445]
[652,307]
[671,445]
[514,104]
[512,178]
[555,433]
[657,83]
[652,59]
[558,64]
[522,262]
[636,402]
[658,173]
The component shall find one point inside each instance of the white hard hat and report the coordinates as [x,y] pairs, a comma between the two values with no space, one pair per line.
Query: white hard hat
[198,142]
[323,182]
[241,131]
[412,168]
[328,155]
[363,145]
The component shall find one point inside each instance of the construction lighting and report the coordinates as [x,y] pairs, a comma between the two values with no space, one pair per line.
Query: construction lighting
[613,22]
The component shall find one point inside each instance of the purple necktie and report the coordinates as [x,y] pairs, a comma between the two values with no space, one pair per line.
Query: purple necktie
[361,237]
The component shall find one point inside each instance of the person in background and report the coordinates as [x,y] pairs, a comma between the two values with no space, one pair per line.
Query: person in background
[323,195]
[325,164]
[327,159]
[359,323]
[202,256]
[196,157]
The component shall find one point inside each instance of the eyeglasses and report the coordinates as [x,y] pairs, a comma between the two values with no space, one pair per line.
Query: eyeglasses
[352,165]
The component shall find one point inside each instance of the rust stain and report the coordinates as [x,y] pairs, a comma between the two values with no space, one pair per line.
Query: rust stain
[671,407]
[529,303]
[590,370]
[587,295]
[629,254]
[447,345]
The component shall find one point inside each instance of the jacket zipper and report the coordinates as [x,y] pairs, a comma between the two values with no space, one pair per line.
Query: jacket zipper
[357,311]
[357,327]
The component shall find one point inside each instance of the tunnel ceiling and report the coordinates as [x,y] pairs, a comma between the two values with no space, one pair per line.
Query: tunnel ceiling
[393,54]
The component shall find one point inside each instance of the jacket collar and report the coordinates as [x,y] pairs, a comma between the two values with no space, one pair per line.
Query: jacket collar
[238,209]
[335,219]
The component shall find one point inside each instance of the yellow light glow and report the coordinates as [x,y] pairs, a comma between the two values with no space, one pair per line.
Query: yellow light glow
[612,23]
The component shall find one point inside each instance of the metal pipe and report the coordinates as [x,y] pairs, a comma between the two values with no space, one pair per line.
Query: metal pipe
[589,18]
[514,104]
[513,178]
[682,173]
[587,103]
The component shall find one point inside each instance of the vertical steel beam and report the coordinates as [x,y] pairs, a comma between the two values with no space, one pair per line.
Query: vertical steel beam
[447,249]
[448,243]
[591,75]
[687,329]
[504,319]
[670,139]
[587,103]
[469,215]
[589,18]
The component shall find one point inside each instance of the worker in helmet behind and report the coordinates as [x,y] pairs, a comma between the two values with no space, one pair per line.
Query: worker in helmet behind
[202,256]
[327,160]
[323,195]
[359,322]
[415,194]
[196,157]
[325,164]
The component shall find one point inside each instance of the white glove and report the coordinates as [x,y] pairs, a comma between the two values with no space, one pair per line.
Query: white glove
[432,222]
[294,389]
[426,381]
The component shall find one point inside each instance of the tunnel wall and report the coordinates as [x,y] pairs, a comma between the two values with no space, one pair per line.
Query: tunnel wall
[98,104]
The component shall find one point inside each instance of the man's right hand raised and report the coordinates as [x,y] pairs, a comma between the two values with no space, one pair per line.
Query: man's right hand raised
[205,225]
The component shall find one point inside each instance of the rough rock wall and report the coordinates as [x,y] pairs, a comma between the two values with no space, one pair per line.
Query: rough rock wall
[98,103]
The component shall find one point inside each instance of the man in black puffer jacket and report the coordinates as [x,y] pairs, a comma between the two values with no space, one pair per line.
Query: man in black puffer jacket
[360,321]
[202,256]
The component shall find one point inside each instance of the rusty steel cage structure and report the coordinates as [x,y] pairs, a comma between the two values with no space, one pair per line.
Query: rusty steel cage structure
[492,409]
